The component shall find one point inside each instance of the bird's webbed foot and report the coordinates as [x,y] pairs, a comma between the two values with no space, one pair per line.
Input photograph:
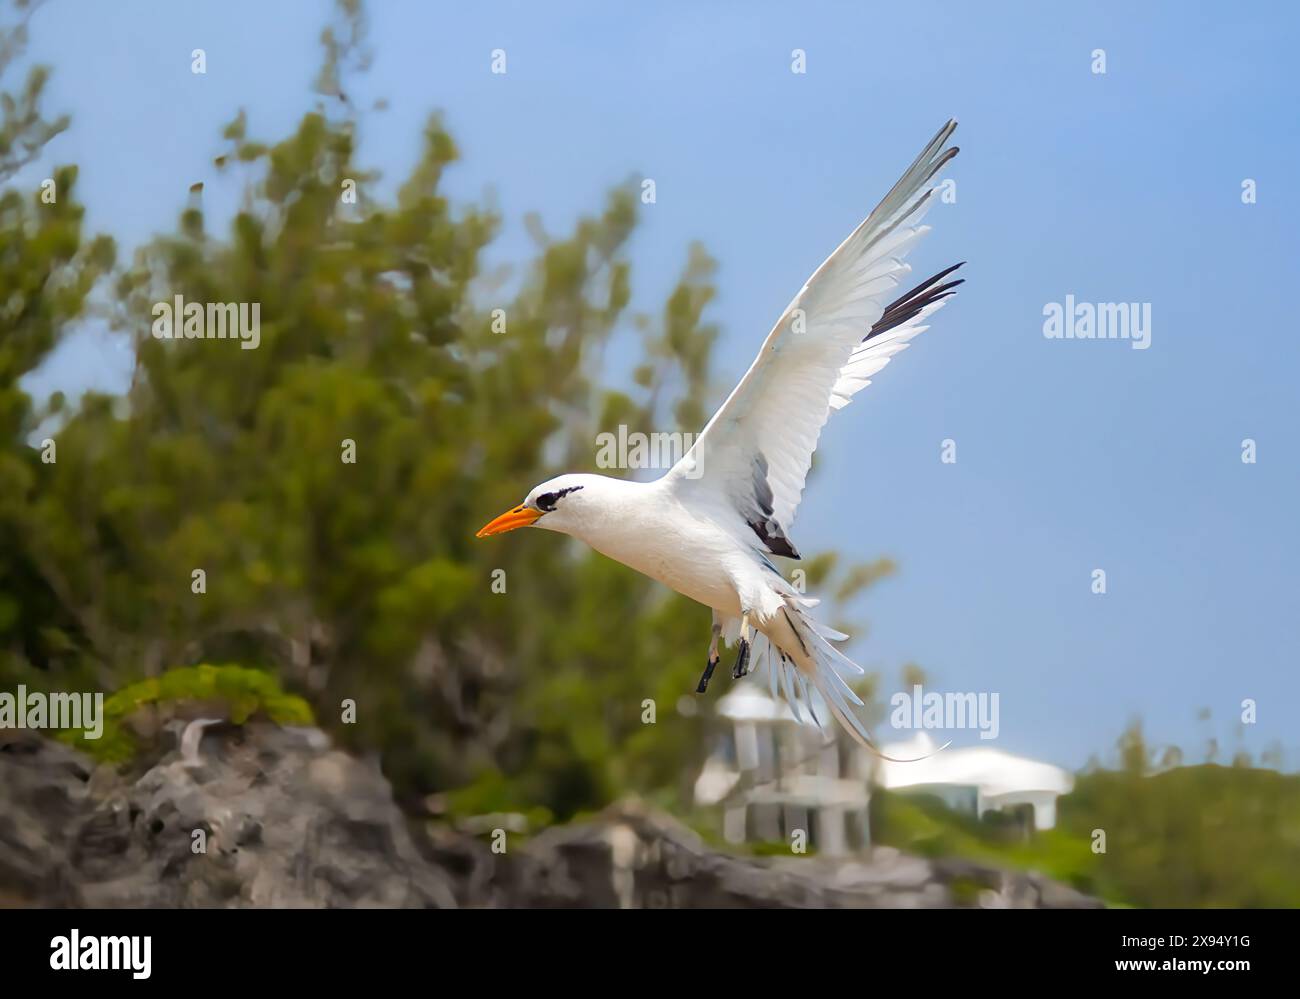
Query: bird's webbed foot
[708,673]
[742,661]
[714,658]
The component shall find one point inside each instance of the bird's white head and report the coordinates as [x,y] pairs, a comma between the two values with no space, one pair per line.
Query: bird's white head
[559,504]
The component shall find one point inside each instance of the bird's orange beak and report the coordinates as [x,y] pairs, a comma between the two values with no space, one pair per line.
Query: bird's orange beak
[520,516]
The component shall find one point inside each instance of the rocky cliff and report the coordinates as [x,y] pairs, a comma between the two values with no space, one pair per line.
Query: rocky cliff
[266,816]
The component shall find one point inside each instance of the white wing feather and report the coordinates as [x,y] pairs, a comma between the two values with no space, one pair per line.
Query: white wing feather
[755,453]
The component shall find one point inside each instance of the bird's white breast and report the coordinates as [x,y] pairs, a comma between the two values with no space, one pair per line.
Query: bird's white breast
[647,530]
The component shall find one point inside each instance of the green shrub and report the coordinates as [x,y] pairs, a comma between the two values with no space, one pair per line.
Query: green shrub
[238,692]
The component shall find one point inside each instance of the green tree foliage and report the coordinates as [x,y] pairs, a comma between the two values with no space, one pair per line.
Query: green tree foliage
[1178,836]
[1212,836]
[24,129]
[47,270]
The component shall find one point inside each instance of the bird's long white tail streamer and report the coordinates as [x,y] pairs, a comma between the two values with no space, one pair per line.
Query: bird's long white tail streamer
[829,671]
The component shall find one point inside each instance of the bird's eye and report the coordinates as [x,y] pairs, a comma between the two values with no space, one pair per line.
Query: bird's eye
[546,502]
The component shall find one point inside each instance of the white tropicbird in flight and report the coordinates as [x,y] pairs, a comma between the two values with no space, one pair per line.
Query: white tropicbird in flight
[707,526]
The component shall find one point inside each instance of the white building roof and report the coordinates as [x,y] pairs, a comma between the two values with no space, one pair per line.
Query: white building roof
[994,771]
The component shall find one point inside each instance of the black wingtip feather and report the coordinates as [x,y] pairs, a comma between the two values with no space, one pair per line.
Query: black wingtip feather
[908,306]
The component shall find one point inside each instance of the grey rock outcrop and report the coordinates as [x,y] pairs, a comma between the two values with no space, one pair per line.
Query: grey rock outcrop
[264,816]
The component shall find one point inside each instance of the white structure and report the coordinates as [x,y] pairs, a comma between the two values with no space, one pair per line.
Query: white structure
[773,776]
[976,779]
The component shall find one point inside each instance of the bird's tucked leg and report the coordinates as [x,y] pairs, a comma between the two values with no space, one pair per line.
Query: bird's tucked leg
[713,656]
[742,657]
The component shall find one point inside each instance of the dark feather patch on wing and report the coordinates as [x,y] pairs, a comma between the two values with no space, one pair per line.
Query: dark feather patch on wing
[761,521]
[903,309]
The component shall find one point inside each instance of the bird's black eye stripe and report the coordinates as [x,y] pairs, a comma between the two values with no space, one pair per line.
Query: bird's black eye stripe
[546,502]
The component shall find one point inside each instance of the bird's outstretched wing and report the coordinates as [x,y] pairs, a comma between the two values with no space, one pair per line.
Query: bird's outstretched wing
[840,330]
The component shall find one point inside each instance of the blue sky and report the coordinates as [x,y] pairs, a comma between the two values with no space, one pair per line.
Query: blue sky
[1072,455]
